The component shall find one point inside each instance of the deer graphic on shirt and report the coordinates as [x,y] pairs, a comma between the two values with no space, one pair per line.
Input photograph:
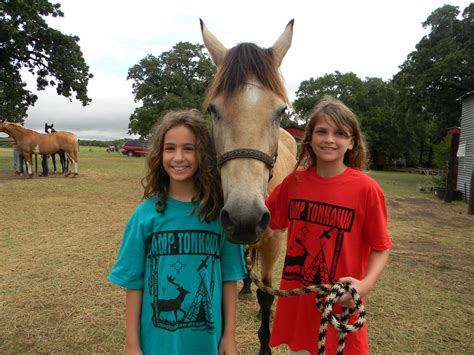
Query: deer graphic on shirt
[173,304]
[297,260]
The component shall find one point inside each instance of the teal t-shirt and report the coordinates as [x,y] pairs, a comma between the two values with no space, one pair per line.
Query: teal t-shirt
[180,264]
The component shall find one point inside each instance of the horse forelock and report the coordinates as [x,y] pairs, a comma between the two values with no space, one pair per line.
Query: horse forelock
[242,64]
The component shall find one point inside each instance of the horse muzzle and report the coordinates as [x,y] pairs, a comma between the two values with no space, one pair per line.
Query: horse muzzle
[244,225]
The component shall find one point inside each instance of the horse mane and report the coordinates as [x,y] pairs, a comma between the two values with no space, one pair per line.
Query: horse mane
[242,63]
[19,126]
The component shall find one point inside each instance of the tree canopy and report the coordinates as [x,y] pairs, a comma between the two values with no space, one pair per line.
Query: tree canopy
[176,79]
[370,99]
[341,86]
[440,70]
[26,41]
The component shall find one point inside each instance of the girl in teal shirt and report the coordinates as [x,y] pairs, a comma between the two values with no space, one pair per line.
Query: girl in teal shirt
[178,270]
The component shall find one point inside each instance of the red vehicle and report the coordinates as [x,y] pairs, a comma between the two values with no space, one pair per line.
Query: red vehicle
[135,147]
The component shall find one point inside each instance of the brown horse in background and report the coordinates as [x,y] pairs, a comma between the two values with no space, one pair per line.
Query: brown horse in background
[247,100]
[31,142]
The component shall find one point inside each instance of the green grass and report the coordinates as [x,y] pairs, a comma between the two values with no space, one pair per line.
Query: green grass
[397,184]
[59,238]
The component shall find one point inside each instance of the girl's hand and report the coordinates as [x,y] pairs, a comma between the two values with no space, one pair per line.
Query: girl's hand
[375,266]
[362,287]
[228,346]
[133,350]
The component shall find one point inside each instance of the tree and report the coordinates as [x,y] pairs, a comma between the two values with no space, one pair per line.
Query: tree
[370,99]
[376,110]
[26,41]
[373,101]
[441,69]
[177,79]
[340,86]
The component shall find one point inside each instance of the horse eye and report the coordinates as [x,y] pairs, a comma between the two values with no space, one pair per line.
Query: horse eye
[280,114]
[212,110]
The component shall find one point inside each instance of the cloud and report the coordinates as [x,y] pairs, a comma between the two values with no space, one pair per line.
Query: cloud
[106,118]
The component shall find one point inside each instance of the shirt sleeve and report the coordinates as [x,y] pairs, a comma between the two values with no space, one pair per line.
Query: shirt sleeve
[129,268]
[277,203]
[376,220]
[232,261]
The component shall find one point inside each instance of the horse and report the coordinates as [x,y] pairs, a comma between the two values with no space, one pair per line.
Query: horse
[62,157]
[246,101]
[31,142]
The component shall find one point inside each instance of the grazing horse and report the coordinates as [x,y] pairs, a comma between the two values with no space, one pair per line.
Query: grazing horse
[62,157]
[247,100]
[31,142]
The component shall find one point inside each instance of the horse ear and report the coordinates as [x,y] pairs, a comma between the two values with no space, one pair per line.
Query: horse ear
[283,43]
[216,49]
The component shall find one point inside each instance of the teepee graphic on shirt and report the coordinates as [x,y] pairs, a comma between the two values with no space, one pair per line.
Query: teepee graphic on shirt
[213,279]
[317,272]
[200,313]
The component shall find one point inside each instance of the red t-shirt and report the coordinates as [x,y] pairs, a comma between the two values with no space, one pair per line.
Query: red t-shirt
[333,224]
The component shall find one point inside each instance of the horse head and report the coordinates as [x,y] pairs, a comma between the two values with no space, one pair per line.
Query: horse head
[3,125]
[49,128]
[246,100]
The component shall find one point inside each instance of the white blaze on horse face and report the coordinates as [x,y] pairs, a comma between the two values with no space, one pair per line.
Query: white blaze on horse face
[251,95]
[247,121]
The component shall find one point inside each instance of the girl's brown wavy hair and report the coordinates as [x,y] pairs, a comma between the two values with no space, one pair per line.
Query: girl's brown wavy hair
[206,179]
[345,120]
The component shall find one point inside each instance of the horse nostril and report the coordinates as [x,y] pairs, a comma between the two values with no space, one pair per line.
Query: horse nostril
[263,224]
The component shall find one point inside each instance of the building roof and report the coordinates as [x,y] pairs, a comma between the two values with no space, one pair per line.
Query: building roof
[466,95]
[296,132]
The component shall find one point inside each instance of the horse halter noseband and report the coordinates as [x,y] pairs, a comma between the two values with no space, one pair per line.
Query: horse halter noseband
[249,154]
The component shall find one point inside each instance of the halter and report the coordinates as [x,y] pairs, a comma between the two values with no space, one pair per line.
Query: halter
[249,154]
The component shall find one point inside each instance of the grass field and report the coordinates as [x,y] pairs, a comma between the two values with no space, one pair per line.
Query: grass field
[59,238]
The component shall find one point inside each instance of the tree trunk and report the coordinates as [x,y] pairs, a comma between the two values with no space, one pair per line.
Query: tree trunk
[451,166]
[420,159]
[430,157]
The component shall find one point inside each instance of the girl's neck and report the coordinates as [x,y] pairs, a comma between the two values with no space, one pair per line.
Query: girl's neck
[183,192]
[329,170]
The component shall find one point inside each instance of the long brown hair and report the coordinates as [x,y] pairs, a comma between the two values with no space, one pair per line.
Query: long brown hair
[206,180]
[345,120]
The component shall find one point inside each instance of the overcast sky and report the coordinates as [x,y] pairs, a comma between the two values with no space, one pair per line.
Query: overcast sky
[370,38]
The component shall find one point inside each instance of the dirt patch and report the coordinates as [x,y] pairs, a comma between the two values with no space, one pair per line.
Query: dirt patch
[430,210]
[422,231]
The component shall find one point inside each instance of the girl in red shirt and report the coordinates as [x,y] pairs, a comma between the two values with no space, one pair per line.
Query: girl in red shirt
[337,228]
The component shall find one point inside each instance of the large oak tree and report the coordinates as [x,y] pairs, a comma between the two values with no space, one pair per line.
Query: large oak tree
[370,99]
[440,70]
[175,80]
[55,59]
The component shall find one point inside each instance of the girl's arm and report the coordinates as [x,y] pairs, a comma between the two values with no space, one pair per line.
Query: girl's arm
[229,304]
[376,264]
[133,306]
